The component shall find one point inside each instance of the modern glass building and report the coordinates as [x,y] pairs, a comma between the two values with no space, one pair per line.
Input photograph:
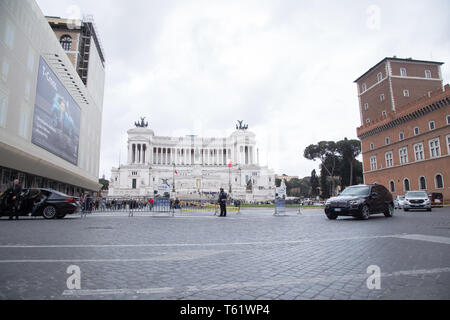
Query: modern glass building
[50,107]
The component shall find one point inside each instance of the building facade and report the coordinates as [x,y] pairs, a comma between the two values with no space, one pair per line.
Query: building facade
[405,137]
[50,120]
[192,167]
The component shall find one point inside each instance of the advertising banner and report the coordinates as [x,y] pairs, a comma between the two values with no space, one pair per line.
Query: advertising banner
[56,122]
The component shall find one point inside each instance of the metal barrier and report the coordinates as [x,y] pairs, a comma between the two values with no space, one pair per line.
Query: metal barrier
[194,207]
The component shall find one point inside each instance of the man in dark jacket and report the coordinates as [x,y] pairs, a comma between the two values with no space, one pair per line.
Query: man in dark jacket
[14,199]
[223,203]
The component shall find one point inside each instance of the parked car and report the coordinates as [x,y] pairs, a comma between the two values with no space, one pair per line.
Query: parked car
[55,205]
[417,200]
[361,201]
[437,199]
[399,202]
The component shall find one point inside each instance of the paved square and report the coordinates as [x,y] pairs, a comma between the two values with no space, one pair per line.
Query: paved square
[254,255]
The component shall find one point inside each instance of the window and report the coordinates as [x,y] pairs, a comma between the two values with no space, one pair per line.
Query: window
[418,152]
[372,146]
[422,183]
[363,87]
[406,93]
[23,125]
[431,125]
[3,106]
[389,159]
[66,42]
[403,72]
[366,106]
[5,70]
[435,150]
[439,181]
[134,183]
[392,186]
[9,36]
[416,131]
[448,119]
[406,186]
[387,140]
[403,155]
[379,77]
[382,97]
[401,136]
[428,74]
[447,138]
[373,163]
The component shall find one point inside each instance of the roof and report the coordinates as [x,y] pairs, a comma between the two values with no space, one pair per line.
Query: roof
[396,59]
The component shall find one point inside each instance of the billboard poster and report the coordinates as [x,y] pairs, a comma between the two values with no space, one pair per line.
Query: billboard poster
[56,122]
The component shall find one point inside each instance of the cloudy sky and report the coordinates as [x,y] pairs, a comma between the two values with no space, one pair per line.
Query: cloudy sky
[284,67]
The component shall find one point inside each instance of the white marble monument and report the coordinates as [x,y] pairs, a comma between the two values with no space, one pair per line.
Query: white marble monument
[192,167]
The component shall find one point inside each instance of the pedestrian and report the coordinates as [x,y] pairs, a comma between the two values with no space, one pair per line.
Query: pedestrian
[223,203]
[86,203]
[13,200]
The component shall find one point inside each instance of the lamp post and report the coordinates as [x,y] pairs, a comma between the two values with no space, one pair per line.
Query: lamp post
[229,178]
[173,178]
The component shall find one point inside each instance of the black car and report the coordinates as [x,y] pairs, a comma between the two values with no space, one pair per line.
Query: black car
[361,201]
[55,205]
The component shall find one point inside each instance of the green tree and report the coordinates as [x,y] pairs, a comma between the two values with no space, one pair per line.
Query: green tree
[314,182]
[348,150]
[327,152]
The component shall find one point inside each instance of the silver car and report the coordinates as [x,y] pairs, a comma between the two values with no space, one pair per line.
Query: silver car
[417,200]
[399,202]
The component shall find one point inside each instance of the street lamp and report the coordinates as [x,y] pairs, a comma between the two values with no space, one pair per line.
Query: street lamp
[229,178]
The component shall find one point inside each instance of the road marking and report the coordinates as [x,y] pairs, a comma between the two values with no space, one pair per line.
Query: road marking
[256,284]
[153,245]
[423,237]
[420,237]
[171,256]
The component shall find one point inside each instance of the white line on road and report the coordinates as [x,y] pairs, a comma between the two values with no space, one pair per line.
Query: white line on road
[423,237]
[238,285]
[155,245]
[436,239]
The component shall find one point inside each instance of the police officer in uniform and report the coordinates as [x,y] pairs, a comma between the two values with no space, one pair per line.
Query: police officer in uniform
[223,203]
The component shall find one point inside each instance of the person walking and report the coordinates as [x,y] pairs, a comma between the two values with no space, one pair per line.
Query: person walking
[223,203]
[14,199]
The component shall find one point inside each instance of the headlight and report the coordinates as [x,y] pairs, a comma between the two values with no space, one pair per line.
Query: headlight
[355,202]
[328,202]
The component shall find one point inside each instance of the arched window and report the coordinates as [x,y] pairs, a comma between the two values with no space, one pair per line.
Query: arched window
[406,185]
[422,183]
[439,181]
[66,42]
[392,185]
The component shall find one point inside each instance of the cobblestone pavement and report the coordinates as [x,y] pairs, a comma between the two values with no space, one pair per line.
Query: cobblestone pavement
[253,255]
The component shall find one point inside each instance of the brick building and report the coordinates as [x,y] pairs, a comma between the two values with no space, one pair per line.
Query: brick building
[405,126]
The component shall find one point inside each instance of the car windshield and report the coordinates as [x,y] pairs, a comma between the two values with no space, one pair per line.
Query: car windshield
[356,191]
[416,194]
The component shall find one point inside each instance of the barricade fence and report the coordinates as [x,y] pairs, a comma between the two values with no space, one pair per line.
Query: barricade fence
[136,205]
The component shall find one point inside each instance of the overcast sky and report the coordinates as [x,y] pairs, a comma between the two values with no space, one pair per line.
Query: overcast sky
[284,67]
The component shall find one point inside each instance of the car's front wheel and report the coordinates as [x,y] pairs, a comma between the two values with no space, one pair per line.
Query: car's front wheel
[365,213]
[332,216]
[49,212]
[389,213]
